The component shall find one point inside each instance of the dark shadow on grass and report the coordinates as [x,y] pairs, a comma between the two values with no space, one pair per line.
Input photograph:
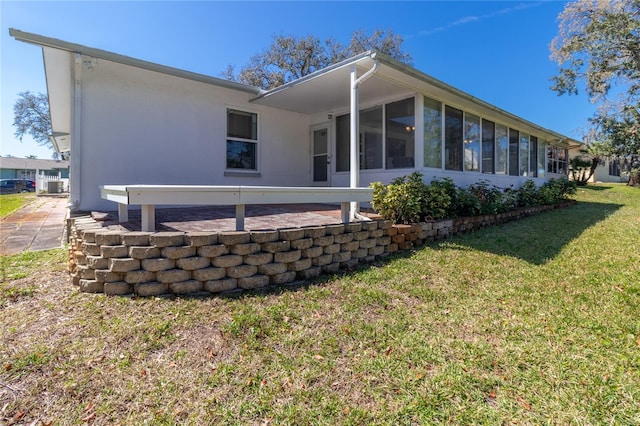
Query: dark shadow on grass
[595,187]
[536,239]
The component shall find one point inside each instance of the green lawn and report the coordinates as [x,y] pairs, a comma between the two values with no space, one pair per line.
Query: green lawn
[12,202]
[532,322]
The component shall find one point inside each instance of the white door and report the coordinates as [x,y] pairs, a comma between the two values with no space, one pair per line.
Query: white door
[320,156]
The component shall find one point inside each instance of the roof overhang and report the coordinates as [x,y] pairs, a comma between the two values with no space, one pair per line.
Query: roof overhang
[61,141]
[59,59]
[127,60]
[58,74]
[328,91]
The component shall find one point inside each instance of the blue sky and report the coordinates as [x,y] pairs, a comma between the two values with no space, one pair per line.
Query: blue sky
[497,51]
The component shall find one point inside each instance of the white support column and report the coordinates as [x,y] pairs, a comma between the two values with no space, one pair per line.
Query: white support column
[344,212]
[123,212]
[148,217]
[354,169]
[354,143]
[75,159]
[239,217]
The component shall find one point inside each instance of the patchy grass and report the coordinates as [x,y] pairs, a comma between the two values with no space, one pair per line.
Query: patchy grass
[29,263]
[533,322]
[12,202]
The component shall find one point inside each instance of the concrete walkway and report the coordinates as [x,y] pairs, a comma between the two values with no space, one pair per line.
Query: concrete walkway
[39,225]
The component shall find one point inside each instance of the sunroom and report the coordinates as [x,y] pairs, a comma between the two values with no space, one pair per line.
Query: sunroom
[409,121]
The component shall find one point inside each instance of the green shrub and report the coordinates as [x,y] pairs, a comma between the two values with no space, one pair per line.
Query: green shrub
[528,194]
[556,190]
[403,200]
[409,199]
[468,204]
[440,197]
[489,196]
[508,200]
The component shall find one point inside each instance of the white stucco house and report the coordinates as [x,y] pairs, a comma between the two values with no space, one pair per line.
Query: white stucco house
[615,169]
[129,121]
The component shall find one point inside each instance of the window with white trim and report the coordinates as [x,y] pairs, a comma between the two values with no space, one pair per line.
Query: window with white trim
[471,144]
[432,133]
[488,146]
[388,128]
[524,154]
[557,160]
[242,140]
[502,149]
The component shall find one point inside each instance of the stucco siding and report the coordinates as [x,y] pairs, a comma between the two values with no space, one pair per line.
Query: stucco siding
[144,127]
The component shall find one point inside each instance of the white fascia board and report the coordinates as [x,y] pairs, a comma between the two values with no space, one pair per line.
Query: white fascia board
[342,64]
[413,72]
[127,60]
[58,75]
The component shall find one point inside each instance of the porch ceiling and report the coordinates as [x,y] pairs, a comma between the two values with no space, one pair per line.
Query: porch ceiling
[57,64]
[329,91]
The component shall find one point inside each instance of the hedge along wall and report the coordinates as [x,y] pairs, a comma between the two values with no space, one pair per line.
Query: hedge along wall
[148,264]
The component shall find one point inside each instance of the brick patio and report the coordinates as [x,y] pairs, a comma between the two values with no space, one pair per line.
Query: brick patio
[222,218]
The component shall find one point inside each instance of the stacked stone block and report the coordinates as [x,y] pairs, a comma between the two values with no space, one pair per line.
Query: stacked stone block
[148,264]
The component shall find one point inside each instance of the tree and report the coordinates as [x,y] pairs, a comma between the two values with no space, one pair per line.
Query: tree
[382,41]
[289,58]
[583,166]
[598,43]
[31,116]
[620,130]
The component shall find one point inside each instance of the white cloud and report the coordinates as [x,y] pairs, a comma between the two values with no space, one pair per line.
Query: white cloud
[473,18]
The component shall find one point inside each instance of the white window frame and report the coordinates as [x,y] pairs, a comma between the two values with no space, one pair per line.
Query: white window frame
[238,171]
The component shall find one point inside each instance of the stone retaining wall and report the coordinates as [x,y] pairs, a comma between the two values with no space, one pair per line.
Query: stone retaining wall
[148,264]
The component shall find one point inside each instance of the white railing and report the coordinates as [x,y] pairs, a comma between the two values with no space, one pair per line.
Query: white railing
[148,196]
[42,183]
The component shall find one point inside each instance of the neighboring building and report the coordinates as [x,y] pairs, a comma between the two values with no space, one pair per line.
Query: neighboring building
[29,168]
[615,169]
[40,171]
[128,121]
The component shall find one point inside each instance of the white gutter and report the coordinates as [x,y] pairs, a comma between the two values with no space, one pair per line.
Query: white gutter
[75,162]
[127,60]
[354,168]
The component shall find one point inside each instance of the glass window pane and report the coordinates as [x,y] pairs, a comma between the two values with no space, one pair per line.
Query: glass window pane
[562,161]
[513,152]
[533,156]
[452,138]
[320,168]
[400,134]
[488,146]
[471,143]
[241,124]
[320,141]
[542,149]
[371,138]
[552,164]
[342,143]
[432,133]
[502,149]
[524,154]
[241,155]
